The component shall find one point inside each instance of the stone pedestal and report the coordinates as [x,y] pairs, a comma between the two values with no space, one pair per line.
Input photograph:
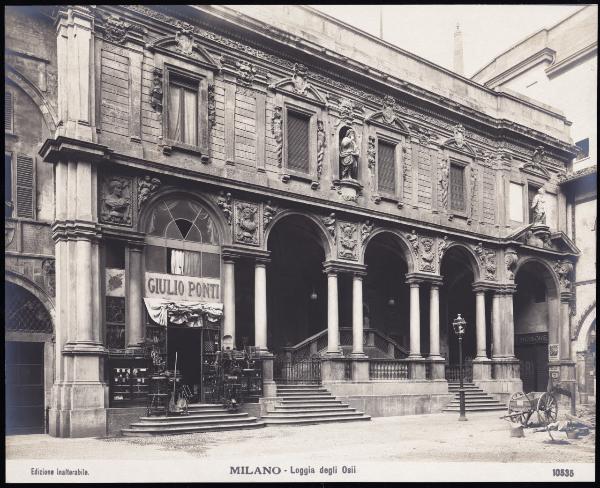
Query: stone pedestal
[332,369]
[360,369]
[416,369]
[269,386]
[482,369]
[438,368]
[505,368]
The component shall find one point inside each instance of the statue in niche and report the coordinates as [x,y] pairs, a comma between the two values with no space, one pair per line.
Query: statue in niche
[348,154]
[538,206]
[116,205]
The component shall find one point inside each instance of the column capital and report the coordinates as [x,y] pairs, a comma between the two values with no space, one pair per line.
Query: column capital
[566,296]
[332,266]
[68,149]
[418,278]
[261,260]
[232,253]
[76,230]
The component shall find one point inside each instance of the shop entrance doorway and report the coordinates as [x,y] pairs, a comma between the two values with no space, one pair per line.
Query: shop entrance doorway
[196,349]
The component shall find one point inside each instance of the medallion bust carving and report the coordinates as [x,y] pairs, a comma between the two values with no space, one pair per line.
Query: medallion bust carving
[116,201]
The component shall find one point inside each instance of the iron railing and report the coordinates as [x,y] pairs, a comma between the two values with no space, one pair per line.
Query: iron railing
[453,372]
[290,371]
[388,369]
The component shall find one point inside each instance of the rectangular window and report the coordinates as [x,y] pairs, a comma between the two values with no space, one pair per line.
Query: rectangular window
[25,186]
[115,254]
[584,148]
[531,193]
[156,259]
[8,198]
[386,172]
[457,188]
[297,142]
[8,111]
[185,263]
[183,110]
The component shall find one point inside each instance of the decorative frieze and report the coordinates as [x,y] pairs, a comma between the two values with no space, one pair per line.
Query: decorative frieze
[156,95]
[147,186]
[426,255]
[49,272]
[510,260]
[487,259]
[347,246]
[225,204]
[564,270]
[246,223]
[116,200]
[277,131]
[329,223]
[269,212]
[321,145]
[365,230]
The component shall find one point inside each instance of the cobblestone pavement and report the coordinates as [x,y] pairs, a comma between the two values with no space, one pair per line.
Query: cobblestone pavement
[432,438]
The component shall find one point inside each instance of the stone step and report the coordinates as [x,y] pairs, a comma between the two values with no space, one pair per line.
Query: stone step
[308,400]
[302,390]
[177,422]
[309,415]
[312,405]
[190,429]
[307,396]
[486,401]
[316,420]
[472,408]
[340,408]
[193,417]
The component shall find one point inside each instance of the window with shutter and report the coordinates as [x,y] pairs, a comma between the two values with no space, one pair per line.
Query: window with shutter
[457,188]
[8,181]
[183,110]
[24,186]
[386,172]
[8,111]
[297,142]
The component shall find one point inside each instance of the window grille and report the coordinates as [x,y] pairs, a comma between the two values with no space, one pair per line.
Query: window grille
[24,312]
[297,142]
[386,172]
[24,186]
[115,322]
[457,188]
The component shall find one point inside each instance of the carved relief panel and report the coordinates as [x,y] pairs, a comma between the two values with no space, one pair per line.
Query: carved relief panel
[347,241]
[247,223]
[115,200]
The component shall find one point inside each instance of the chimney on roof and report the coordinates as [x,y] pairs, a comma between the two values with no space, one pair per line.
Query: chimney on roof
[458,51]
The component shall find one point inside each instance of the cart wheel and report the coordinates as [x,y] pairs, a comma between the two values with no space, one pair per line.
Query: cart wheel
[514,407]
[547,408]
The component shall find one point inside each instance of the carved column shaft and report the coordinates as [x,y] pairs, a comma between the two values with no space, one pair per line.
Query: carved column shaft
[415,321]
[333,330]
[357,315]
[496,327]
[480,323]
[260,304]
[135,309]
[229,298]
[434,320]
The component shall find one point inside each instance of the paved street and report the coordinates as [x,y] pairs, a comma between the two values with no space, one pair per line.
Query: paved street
[430,438]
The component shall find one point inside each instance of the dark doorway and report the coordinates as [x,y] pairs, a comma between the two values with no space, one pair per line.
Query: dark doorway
[296,284]
[24,387]
[386,293]
[457,297]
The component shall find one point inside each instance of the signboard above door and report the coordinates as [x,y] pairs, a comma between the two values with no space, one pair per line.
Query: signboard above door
[182,288]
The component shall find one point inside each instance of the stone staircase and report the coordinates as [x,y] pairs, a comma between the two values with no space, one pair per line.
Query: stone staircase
[200,418]
[309,404]
[476,400]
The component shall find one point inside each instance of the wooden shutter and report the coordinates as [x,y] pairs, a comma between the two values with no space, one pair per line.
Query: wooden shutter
[8,181]
[386,171]
[8,112]
[297,142]
[24,186]
[457,188]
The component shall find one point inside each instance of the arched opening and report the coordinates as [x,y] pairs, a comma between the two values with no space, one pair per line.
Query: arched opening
[386,294]
[296,284]
[28,373]
[589,382]
[533,304]
[183,267]
[457,297]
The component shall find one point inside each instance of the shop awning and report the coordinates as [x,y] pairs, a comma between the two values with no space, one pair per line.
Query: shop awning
[182,312]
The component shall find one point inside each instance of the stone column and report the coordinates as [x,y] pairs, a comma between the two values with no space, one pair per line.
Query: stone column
[135,316]
[415,320]
[229,297]
[434,320]
[509,322]
[333,330]
[496,327]
[480,322]
[564,328]
[260,303]
[357,314]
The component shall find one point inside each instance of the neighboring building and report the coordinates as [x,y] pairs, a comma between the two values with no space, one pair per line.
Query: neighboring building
[559,66]
[285,181]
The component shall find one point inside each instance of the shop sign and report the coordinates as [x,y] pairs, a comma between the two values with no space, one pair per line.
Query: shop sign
[554,372]
[182,288]
[529,339]
[552,351]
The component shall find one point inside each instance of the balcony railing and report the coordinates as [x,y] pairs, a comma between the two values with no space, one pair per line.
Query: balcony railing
[388,369]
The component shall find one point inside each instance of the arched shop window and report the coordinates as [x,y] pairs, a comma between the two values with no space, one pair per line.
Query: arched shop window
[182,239]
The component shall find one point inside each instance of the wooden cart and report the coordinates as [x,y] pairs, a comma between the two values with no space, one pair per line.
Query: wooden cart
[522,406]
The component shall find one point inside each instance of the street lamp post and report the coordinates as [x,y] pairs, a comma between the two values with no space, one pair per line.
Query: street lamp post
[459,325]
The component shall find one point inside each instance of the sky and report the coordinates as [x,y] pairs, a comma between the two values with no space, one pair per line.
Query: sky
[428,30]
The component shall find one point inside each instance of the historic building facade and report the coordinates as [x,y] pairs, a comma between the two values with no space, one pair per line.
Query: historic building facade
[309,196]
[546,66]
